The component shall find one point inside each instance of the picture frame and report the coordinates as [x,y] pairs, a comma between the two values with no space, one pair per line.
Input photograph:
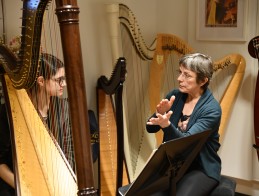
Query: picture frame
[227,24]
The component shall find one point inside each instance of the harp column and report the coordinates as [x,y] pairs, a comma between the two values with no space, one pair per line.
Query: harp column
[116,45]
[68,17]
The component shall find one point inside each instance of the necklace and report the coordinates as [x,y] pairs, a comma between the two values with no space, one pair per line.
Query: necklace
[182,124]
[184,117]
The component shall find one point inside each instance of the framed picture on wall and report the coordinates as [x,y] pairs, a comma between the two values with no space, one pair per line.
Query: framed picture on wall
[221,20]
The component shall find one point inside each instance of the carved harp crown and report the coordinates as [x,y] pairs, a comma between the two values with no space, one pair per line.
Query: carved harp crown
[151,73]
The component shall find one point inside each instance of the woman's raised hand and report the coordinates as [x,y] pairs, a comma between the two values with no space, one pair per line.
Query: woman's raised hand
[165,105]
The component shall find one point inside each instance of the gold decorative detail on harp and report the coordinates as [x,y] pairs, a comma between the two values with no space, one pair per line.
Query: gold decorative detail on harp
[152,72]
[41,169]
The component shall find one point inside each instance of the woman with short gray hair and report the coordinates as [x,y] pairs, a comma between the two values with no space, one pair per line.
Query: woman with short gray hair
[189,110]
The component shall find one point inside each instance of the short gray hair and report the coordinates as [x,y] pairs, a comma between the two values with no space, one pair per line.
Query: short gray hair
[199,63]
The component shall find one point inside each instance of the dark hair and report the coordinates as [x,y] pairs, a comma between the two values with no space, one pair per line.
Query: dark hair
[49,65]
[199,63]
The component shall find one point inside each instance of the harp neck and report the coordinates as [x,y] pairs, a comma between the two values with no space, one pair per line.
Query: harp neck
[22,68]
[127,19]
[117,78]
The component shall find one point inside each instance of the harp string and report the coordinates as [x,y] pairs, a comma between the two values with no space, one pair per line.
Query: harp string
[136,105]
[58,108]
[51,39]
[22,71]
[59,119]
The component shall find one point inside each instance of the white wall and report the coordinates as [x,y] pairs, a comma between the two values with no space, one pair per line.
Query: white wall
[173,18]
[179,18]
[12,19]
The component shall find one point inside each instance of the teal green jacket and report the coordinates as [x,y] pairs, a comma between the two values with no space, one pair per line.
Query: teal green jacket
[205,116]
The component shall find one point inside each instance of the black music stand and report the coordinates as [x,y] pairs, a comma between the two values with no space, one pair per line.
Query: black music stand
[166,166]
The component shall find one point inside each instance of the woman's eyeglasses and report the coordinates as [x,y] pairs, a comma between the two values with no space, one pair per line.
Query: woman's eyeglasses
[60,80]
[184,117]
[185,75]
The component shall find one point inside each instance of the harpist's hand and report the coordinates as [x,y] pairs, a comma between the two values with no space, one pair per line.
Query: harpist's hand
[161,120]
[165,105]
[7,175]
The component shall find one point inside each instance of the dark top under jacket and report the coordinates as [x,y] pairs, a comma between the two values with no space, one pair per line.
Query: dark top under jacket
[205,116]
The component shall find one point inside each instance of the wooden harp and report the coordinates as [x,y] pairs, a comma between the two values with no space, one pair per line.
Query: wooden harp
[36,175]
[151,73]
[112,169]
[253,49]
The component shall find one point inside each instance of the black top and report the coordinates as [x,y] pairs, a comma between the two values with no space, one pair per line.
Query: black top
[5,146]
